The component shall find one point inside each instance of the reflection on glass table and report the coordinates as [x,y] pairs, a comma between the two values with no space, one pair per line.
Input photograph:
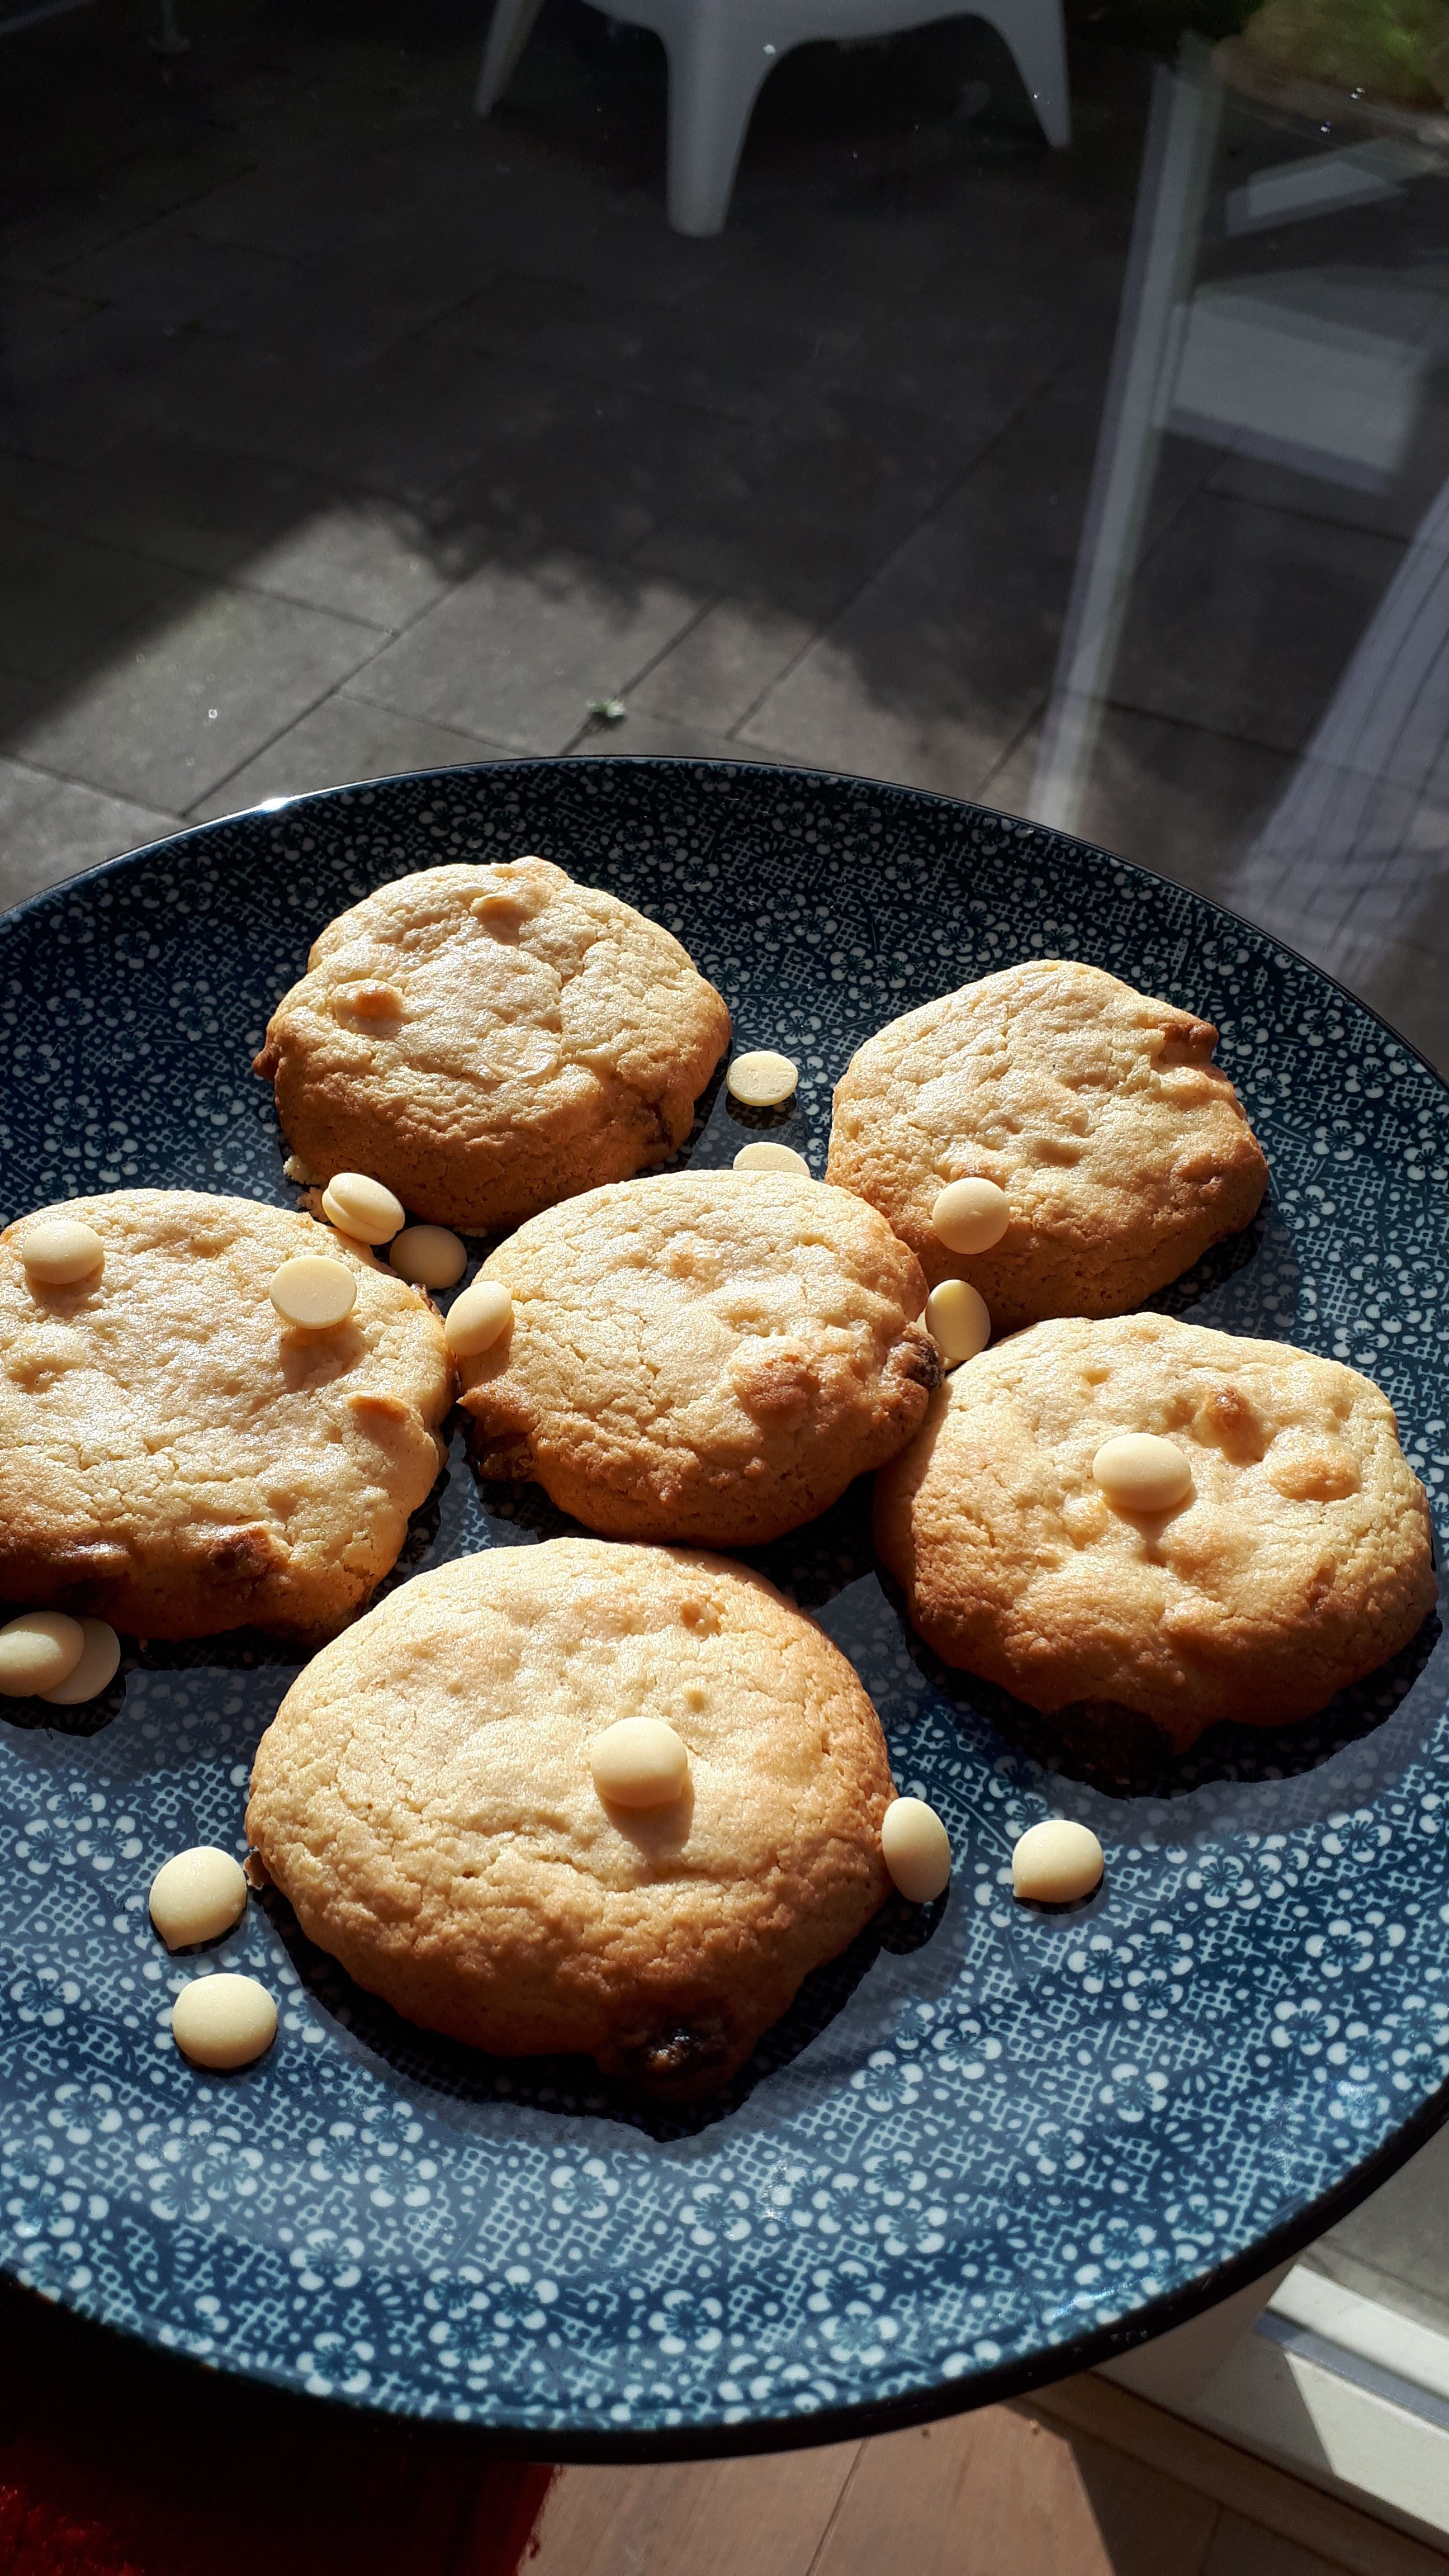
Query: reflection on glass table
[1265,558]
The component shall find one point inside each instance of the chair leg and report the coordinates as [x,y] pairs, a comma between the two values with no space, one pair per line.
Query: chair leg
[509,29]
[1033,31]
[716,66]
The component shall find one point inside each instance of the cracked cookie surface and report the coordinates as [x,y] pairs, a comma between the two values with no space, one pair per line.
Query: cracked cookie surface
[1299,1561]
[176,1459]
[425,1800]
[486,1040]
[1123,1149]
[708,1357]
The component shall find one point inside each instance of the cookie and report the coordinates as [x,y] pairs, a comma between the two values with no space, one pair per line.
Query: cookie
[1297,1561]
[178,1459]
[486,1040]
[1122,1150]
[708,1357]
[425,1798]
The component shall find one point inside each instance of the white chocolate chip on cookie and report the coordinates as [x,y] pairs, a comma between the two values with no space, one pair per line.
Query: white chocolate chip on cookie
[970,1216]
[1138,1472]
[314,1290]
[639,1762]
[957,1321]
[361,1207]
[478,1319]
[60,1251]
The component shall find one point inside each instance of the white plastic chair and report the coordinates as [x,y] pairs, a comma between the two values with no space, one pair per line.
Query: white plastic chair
[721,50]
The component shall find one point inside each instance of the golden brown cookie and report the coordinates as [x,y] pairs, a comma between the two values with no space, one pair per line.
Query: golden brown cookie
[485,1040]
[425,1798]
[176,1458]
[1298,1561]
[1122,1149]
[708,1356]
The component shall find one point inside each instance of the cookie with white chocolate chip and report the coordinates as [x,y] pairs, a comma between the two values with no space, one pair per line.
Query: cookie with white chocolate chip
[1141,1519]
[486,1040]
[704,1356]
[433,1798]
[1116,1150]
[178,1454]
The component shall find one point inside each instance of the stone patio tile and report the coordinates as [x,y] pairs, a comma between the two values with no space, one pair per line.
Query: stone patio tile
[63,600]
[517,652]
[805,508]
[675,353]
[50,828]
[168,275]
[584,466]
[369,558]
[341,741]
[186,704]
[29,313]
[360,299]
[932,672]
[721,667]
[1243,619]
[74,396]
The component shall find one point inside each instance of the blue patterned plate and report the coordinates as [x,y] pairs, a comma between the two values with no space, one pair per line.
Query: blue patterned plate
[985,2147]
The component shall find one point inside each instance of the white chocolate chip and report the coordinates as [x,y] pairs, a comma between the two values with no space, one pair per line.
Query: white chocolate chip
[1140,1473]
[359,1206]
[99,1658]
[314,1290]
[639,1762]
[970,1216]
[60,1250]
[957,1321]
[765,1157]
[916,1849]
[429,1255]
[477,1319]
[223,2021]
[197,1896]
[1056,1862]
[762,1080]
[37,1651]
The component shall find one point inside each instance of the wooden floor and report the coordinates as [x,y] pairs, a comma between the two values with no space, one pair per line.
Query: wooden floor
[1005,2492]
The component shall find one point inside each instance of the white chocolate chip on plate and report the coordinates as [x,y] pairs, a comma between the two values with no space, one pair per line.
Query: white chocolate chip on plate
[431,1256]
[1056,1862]
[360,1206]
[765,1157]
[1138,1472]
[639,1762]
[38,1651]
[916,1849]
[957,1321]
[197,1896]
[477,1319]
[223,2021]
[970,1216]
[762,1080]
[314,1290]
[60,1251]
[100,1656]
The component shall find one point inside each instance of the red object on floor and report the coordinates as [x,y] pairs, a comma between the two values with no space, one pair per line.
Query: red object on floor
[117,2461]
